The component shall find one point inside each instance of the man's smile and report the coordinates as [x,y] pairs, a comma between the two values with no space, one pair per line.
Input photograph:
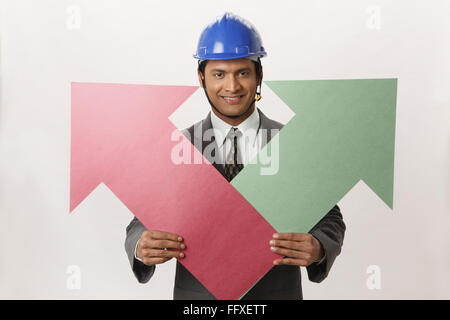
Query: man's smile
[236,99]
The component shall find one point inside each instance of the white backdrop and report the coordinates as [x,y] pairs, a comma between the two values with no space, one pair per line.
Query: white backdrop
[45,252]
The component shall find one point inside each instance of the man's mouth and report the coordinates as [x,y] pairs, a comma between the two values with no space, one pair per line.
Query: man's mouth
[232,99]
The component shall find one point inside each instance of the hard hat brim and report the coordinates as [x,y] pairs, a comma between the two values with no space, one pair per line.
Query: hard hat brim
[227,56]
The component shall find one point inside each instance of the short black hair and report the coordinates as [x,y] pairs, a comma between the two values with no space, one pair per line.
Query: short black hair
[258,67]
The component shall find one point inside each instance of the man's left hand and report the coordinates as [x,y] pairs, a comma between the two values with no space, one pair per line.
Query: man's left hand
[298,249]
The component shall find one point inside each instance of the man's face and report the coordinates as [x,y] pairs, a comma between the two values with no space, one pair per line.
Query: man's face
[231,84]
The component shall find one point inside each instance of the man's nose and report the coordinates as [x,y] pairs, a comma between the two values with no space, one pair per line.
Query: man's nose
[232,84]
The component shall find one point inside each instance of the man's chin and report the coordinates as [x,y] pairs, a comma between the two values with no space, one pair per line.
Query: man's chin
[232,112]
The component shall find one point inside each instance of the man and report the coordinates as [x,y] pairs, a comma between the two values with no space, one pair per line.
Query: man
[230,72]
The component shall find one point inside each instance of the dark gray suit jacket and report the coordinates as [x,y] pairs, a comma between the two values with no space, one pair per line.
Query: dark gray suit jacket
[281,282]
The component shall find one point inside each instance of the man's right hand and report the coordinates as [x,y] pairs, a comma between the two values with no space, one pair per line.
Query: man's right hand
[155,247]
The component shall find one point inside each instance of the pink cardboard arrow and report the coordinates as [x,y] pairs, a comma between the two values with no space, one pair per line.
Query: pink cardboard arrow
[121,136]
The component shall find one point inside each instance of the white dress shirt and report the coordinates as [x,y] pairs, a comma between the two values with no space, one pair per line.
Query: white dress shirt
[248,142]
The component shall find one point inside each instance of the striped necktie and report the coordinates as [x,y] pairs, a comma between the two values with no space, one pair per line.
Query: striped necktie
[232,167]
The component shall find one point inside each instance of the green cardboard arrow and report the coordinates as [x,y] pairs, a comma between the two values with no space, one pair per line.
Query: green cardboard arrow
[343,131]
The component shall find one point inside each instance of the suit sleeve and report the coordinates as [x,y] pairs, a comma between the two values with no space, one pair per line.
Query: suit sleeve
[134,231]
[330,232]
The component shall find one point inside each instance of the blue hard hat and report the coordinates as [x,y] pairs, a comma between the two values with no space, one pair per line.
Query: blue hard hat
[229,37]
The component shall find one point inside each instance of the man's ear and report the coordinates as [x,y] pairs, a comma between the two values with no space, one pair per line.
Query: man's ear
[200,77]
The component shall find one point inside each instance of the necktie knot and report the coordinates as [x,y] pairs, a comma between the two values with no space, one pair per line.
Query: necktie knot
[234,132]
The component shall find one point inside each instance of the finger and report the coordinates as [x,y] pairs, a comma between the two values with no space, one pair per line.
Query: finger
[153,261]
[292,262]
[160,244]
[292,236]
[163,235]
[154,253]
[294,245]
[169,244]
[292,253]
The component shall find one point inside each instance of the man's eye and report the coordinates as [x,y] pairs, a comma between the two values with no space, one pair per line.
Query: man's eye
[244,73]
[218,75]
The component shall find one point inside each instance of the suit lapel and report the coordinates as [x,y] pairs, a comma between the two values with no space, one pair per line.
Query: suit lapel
[265,124]
[207,125]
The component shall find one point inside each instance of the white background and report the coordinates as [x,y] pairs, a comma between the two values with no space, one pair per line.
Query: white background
[44,46]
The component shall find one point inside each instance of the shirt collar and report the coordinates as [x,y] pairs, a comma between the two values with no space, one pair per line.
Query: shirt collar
[248,127]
